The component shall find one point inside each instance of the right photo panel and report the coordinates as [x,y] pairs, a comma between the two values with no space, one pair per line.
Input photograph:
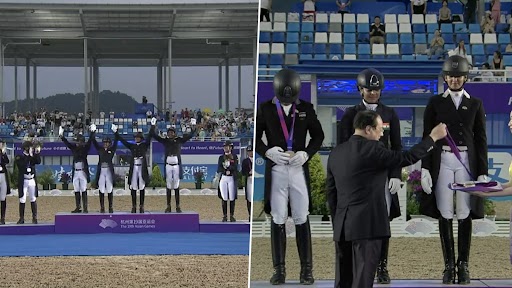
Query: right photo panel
[382,145]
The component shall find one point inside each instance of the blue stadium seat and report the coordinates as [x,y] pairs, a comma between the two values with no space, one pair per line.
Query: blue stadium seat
[504,38]
[477,49]
[391,38]
[407,57]
[363,37]
[278,37]
[293,27]
[264,37]
[459,28]
[350,49]
[292,48]
[393,56]
[349,28]
[363,28]
[418,28]
[507,60]
[474,28]
[478,60]
[292,37]
[306,48]
[464,37]
[448,38]
[363,49]
[349,38]
[263,59]
[320,57]
[420,39]
[432,27]
[308,27]
[320,49]
[322,27]
[364,56]
[502,28]
[491,48]
[406,38]
[306,57]
[421,57]
[406,49]
[378,56]
[306,37]
[503,48]
[446,28]
[335,49]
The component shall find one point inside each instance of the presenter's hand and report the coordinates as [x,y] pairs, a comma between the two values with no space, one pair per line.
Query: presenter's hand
[439,132]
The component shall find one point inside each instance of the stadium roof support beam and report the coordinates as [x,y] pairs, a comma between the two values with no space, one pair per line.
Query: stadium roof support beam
[173,20]
[82,21]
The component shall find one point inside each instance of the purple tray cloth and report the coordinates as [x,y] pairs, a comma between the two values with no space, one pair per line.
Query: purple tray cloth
[491,186]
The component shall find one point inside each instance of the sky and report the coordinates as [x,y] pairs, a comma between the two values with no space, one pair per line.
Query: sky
[192,87]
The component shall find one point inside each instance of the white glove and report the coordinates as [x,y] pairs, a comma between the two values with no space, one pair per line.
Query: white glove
[216,180]
[277,155]
[114,128]
[93,127]
[153,121]
[426,181]
[299,159]
[61,131]
[483,178]
[38,150]
[394,185]
[31,151]
[4,149]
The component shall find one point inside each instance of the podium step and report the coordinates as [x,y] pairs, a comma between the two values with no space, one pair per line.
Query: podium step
[124,222]
[224,227]
[27,229]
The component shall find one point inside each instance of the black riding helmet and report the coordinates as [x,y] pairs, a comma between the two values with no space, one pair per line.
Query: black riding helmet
[287,86]
[370,79]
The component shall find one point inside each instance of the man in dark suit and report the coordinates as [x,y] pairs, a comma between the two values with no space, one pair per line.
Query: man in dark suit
[286,120]
[370,83]
[465,117]
[356,172]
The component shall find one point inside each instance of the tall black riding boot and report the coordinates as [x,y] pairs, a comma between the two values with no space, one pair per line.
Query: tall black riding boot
[232,211]
[463,245]
[303,239]
[448,246]
[102,203]
[177,196]
[110,197]
[249,209]
[3,208]
[33,205]
[77,203]
[278,243]
[168,200]
[22,214]
[84,200]
[142,196]
[225,211]
[134,201]
[382,268]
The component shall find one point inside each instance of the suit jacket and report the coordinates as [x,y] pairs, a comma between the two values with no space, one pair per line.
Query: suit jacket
[137,150]
[105,156]
[172,146]
[467,126]
[80,154]
[23,162]
[356,175]
[267,121]
[246,171]
[4,160]
[233,170]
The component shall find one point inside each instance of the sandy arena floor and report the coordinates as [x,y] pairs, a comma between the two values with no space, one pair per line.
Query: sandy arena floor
[132,271]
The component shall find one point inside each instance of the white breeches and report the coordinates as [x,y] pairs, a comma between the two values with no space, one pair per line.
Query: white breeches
[105,181]
[249,188]
[172,176]
[227,188]
[289,185]
[451,170]
[3,187]
[29,187]
[137,182]
[80,181]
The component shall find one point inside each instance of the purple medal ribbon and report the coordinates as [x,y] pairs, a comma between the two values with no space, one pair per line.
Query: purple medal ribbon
[287,136]
[455,151]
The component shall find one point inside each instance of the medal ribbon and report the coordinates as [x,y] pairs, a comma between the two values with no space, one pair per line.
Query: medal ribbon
[287,136]
[455,151]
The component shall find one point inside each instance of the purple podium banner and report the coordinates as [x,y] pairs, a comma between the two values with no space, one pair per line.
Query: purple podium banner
[266,91]
[496,97]
[93,223]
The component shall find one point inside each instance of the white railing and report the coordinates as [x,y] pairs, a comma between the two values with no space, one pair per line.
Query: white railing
[490,76]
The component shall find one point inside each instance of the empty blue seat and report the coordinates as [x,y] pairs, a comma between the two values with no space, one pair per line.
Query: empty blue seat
[349,28]
[364,56]
[264,37]
[363,28]
[349,38]
[478,60]
[363,49]
[393,56]
[491,48]
[421,58]
[308,27]
[446,28]
[502,28]
[477,49]
[278,37]
[306,48]
[292,48]
[320,57]
[418,28]
[276,59]
[460,28]
[420,39]
[507,60]
[350,49]
[392,38]
[406,49]
[293,27]
[306,57]
[292,37]
[263,59]
[503,38]
[474,28]
[407,57]
[378,56]
[363,37]
[306,37]
[406,38]
[320,49]
[463,37]
[432,27]
[448,38]
[335,49]
[322,27]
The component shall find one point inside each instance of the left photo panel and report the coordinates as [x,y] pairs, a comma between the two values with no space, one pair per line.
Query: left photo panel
[126,139]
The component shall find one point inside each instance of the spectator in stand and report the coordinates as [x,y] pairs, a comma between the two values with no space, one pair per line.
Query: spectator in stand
[445,14]
[309,10]
[377,32]
[496,11]
[418,7]
[487,24]
[343,6]
[266,7]
[436,46]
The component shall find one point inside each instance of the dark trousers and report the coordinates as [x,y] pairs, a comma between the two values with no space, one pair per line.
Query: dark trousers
[356,262]
[264,13]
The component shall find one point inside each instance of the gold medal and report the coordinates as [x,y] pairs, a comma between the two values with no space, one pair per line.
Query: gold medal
[29,170]
[291,153]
